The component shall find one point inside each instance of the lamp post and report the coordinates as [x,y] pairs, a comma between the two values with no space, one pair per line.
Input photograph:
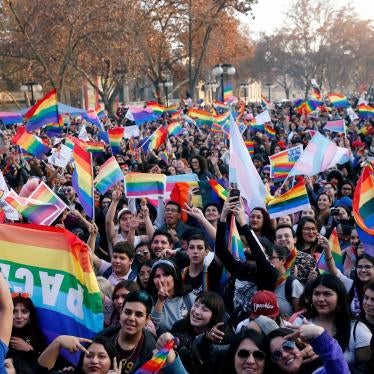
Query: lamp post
[31,87]
[212,87]
[269,86]
[167,84]
[221,69]
[245,88]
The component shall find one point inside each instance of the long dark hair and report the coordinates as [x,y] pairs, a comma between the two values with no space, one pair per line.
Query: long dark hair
[267,228]
[169,268]
[299,234]
[342,314]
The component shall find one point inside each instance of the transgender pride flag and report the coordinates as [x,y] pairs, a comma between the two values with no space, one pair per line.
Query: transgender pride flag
[319,155]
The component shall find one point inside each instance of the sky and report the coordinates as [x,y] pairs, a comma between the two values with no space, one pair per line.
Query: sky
[269,14]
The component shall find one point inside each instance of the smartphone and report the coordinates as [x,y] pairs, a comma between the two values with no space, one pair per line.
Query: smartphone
[334,211]
[236,194]
[225,320]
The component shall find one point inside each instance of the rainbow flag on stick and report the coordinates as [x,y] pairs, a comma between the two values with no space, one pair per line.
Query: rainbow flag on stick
[61,281]
[144,185]
[203,117]
[336,126]
[155,140]
[45,111]
[115,137]
[175,129]
[29,142]
[282,162]
[228,93]
[83,179]
[94,147]
[218,189]
[157,362]
[270,131]
[109,174]
[250,145]
[220,105]
[365,111]
[338,100]
[292,201]
[157,108]
[336,253]
[265,103]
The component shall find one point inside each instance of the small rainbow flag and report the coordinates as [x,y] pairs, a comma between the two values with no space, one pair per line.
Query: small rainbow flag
[61,268]
[203,117]
[157,108]
[29,142]
[281,163]
[265,103]
[235,243]
[8,118]
[336,126]
[255,126]
[218,189]
[336,253]
[305,106]
[34,211]
[216,128]
[228,93]
[143,185]
[338,100]
[175,129]
[220,105]
[83,179]
[155,140]
[115,137]
[250,146]
[270,131]
[93,118]
[101,113]
[157,362]
[109,174]
[45,111]
[365,111]
[94,147]
[294,200]
[171,109]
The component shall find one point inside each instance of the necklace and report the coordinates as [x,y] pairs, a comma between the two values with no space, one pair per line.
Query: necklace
[125,360]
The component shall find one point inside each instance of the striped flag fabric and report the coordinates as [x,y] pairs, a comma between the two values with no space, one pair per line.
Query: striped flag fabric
[93,118]
[45,111]
[9,118]
[115,137]
[282,162]
[157,108]
[82,179]
[270,131]
[365,111]
[336,253]
[202,117]
[338,100]
[218,189]
[336,126]
[29,142]
[294,200]
[250,145]
[109,174]
[175,129]
[265,103]
[144,185]
[155,140]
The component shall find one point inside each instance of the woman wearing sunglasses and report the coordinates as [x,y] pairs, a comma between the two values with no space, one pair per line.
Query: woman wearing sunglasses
[285,347]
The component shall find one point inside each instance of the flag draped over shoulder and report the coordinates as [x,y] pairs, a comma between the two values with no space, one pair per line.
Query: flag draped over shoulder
[363,208]
[83,179]
[294,200]
[249,182]
[58,276]
[45,111]
[319,155]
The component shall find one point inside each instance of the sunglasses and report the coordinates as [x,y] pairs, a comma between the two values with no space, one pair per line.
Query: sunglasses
[257,355]
[23,295]
[287,346]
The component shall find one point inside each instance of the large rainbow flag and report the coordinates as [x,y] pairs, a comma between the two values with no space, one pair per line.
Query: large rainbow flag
[45,111]
[363,208]
[202,117]
[109,174]
[29,142]
[58,276]
[155,140]
[338,100]
[294,200]
[143,185]
[365,111]
[282,162]
[83,179]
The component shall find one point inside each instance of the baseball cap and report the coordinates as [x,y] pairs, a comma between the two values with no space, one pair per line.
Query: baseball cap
[264,303]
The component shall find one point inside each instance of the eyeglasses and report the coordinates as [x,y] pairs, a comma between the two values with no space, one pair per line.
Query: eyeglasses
[310,229]
[287,346]
[23,295]
[366,267]
[257,355]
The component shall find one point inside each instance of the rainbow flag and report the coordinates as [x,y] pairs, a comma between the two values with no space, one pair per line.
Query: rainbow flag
[101,113]
[222,119]
[29,143]
[176,116]
[336,126]
[171,109]
[54,129]
[143,116]
[336,253]
[216,128]
[115,137]
[70,141]
[363,208]
[157,108]
[93,118]
[44,194]
[282,163]
[316,96]
[218,189]
[132,145]
[250,145]
[203,117]
[305,106]
[294,200]
[270,131]
[338,100]
[143,185]
[45,111]
[157,362]
[365,111]
[256,126]
[34,211]
[220,105]
[94,147]
[265,103]
[175,129]
[228,93]
[109,174]
[235,243]
[8,118]
[164,156]
[83,179]
[61,281]
[155,140]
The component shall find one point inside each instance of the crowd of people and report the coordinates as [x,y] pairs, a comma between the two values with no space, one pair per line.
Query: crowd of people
[161,275]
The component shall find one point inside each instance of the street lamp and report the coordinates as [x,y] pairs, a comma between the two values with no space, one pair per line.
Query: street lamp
[167,85]
[245,88]
[221,69]
[212,87]
[269,86]
[31,87]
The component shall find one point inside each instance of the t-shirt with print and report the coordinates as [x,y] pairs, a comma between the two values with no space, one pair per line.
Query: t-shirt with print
[128,358]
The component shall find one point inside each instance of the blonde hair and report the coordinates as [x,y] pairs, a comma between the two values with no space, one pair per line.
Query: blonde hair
[105,286]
